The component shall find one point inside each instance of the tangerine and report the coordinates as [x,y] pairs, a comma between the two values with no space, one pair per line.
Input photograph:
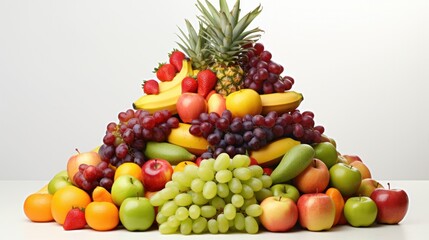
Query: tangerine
[129,168]
[102,216]
[37,207]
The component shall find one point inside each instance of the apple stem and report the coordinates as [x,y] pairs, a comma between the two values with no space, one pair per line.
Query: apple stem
[388,185]
[314,163]
[77,150]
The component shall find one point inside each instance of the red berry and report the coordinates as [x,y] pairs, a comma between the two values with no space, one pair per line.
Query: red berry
[75,219]
[189,84]
[176,59]
[150,87]
[166,72]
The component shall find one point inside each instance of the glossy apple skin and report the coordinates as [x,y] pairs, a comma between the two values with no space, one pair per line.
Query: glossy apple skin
[190,106]
[279,214]
[216,103]
[360,211]
[124,187]
[136,214]
[316,211]
[156,173]
[59,181]
[367,186]
[315,178]
[363,169]
[89,158]
[392,205]
[352,158]
[285,191]
[345,178]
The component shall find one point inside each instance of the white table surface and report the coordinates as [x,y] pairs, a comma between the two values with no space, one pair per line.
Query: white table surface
[15,225]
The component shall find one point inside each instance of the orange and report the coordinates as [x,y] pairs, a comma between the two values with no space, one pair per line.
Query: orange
[129,168]
[67,198]
[244,101]
[100,194]
[180,166]
[102,216]
[338,199]
[37,207]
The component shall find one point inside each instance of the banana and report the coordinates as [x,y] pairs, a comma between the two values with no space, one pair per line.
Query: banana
[177,80]
[281,102]
[174,154]
[181,137]
[272,153]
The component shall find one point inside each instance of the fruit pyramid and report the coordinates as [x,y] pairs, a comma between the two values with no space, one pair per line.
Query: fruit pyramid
[222,113]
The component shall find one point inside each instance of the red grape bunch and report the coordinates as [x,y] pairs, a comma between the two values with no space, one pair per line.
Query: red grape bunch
[126,141]
[263,74]
[89,177]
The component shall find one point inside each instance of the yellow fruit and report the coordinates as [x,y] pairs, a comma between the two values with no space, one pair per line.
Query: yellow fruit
[244,101]
[129,168]
[180,166]
[180,136]
[67,198]
[100,194]
[272,153]
[281,102]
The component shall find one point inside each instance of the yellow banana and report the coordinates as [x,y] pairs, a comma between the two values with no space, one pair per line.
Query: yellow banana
[281,102]
[182,137]
[177,80]
[272,153]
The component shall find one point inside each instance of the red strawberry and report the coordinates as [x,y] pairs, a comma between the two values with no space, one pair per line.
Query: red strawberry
[150,87]
[206,82]
[176,59]
[189,84]
[165,72]
[75,219]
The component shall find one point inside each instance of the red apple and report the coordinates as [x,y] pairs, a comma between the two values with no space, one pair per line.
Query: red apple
[352,158]
[392,204]
[363,169]
[279,214]
[316,211]
[314,179]
[267,171]
[216,103]
[89,158]
[367,186]
[155,174]
[190,106]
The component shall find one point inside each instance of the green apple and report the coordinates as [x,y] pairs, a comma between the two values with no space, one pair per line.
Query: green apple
[59,181]
[136,214]
[326,152]
[285,190]
[345,178]
[124,187]
[360,211]
[262,194]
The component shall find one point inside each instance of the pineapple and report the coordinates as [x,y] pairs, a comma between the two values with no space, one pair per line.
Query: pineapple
[226,35]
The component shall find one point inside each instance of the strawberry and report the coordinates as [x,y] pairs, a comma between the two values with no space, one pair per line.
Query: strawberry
[189,84]
[150,87]
[165,72]
[206,82]
[75,219]
[176,59]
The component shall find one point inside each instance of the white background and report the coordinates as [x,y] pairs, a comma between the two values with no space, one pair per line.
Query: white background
[67,68]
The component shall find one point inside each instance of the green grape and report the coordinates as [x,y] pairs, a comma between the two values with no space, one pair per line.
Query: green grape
[222,162]
[222,190]
[164,228]
[222,222]
[156,200]
[266,180]
[160,218]
[239,221]
[208,211]
[262,194]
[197,185]
[230,211]
[242,173]
[235,185]
[254,210]
[247,192]
[170,184]
[173,222]
[199,225]
[169,208]
[237,200]
[182,213]
[186,226]
[218,203]
[208,163]
[212,226]
[239,160]
[205,173]
[183,199]
[254,183]
[182,179]
[251,225]
[256,170]
[223,176]
[209,190]
[191,171]
[169,193]
[248,202]
[198,198]
[194,211]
